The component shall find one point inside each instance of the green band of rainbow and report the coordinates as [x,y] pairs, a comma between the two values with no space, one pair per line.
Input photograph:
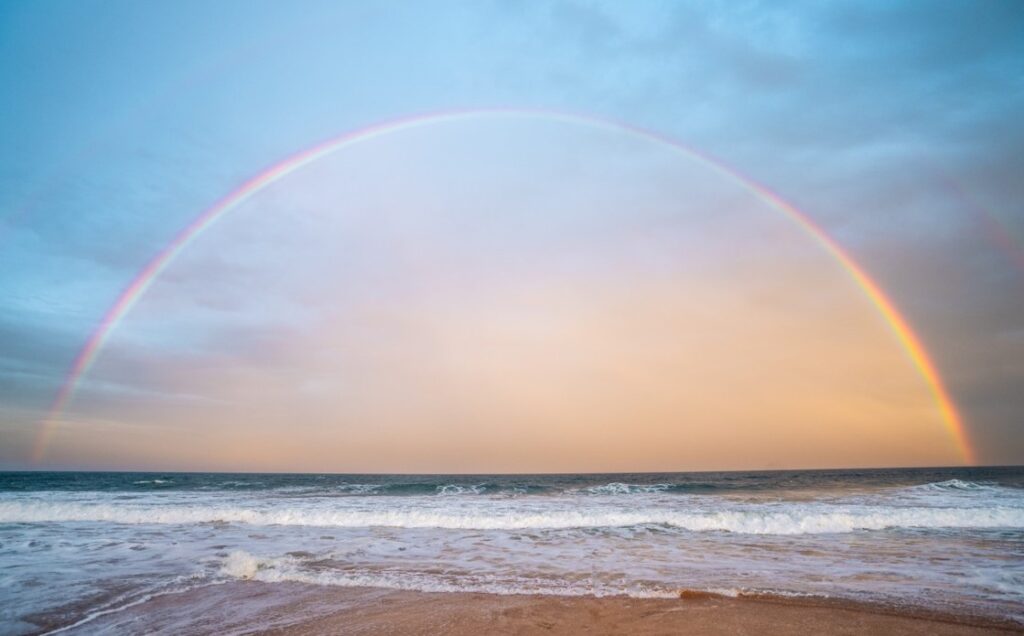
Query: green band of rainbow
[138,286]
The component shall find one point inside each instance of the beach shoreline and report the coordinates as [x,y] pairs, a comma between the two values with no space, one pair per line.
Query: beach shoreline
[887,551]
[295,609]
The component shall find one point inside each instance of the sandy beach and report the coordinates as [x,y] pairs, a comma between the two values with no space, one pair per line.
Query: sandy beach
[295,609]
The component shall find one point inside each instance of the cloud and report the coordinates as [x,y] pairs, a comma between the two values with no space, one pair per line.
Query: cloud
[855,111]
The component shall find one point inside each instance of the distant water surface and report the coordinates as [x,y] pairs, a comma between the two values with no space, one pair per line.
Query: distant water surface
[75,546]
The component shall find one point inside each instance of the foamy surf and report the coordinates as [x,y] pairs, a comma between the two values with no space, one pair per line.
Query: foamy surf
[942,539]
[127,602]
[618,488]
[241,565]
[793,519]
[247,567]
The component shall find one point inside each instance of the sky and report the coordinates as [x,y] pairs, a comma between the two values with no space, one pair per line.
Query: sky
[534,285]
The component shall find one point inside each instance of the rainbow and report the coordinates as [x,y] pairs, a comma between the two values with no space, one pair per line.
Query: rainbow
[909,341]
[994,230]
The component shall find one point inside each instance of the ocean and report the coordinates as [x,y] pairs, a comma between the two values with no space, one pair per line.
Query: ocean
[76,546]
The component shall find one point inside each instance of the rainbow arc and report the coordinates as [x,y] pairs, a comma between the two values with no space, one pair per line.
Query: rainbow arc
[899,326]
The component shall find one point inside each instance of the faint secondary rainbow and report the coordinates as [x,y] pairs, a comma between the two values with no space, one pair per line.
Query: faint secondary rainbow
[994,230]
[909,341]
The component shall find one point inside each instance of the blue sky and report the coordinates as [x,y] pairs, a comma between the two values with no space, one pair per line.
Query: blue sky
[895,126]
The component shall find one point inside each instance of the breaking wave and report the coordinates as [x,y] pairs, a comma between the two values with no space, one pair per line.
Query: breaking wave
[618,488]
[243,565]
[791,519]
[969,486]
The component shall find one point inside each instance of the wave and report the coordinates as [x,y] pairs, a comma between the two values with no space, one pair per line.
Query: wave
[411,488]
[777,520]
[458,489]
[340,489]
[684,488]
[243,565]
[626,485]
[619,488]
[959,490]
[952,486]
[246,566]
[969,486]
[393,489]
[237,484]
[178,585]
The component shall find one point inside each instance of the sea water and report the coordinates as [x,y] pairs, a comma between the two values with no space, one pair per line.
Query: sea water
[76,546]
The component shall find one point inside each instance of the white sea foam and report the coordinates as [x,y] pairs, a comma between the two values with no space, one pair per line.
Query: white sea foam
[458,489]
[790,519]
[956,493]
[969,486]
[122,604]
[243,565]
[246,566]
[618,488]
[360,489]
[240,565]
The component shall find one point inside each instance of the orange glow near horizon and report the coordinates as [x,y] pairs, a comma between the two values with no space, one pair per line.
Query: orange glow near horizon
[724,339]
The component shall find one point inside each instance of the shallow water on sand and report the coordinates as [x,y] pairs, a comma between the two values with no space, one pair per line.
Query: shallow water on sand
[74,546]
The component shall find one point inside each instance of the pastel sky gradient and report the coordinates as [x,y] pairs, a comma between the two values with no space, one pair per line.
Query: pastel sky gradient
[510,294]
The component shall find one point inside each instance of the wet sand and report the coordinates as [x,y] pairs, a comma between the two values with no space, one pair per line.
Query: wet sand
[298,610]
